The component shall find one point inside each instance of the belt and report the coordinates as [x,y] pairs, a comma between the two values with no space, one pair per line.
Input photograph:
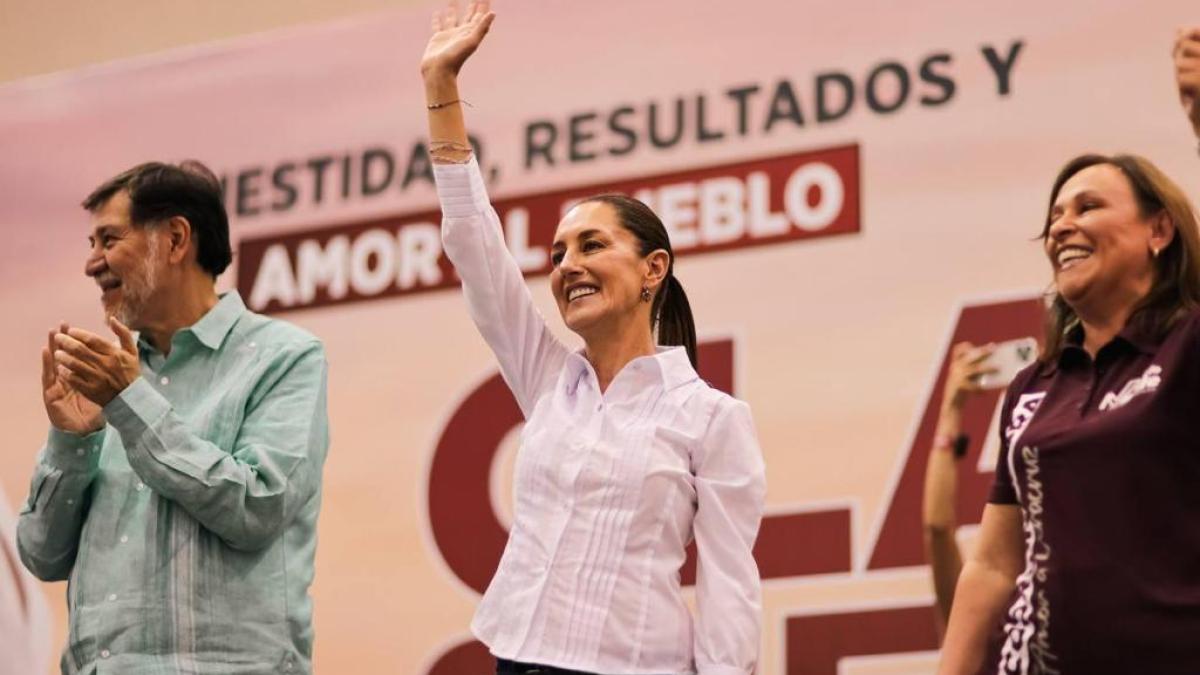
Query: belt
[506,667]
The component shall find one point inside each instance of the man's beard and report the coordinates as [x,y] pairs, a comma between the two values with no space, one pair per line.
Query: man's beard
[137,285]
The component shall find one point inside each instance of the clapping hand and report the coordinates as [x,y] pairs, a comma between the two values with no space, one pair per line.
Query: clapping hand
[96,368]
[67,409]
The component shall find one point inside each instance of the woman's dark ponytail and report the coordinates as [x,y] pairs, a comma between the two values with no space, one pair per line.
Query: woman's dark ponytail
[670,312]
[675,323]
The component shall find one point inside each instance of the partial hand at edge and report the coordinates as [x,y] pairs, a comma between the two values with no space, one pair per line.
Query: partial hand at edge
[1186,54]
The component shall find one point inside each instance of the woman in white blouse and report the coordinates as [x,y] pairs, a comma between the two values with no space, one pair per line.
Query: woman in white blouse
[626,455]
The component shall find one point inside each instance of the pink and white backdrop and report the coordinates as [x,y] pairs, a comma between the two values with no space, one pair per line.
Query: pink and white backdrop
[851,187]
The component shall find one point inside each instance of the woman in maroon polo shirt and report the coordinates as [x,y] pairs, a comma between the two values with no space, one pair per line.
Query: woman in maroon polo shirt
[1091,539]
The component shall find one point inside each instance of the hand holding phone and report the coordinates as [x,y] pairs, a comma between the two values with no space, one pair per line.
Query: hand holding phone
[973,369]
[1005,361]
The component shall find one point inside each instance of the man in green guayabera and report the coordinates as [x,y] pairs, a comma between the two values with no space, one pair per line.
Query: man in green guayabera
[180,482]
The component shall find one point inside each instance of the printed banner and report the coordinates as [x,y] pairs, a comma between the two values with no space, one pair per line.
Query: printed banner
[851,188]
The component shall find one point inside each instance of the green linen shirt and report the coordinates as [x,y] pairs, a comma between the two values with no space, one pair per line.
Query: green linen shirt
[187,526]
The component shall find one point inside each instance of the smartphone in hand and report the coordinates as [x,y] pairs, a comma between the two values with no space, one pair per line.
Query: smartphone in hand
[1008,359]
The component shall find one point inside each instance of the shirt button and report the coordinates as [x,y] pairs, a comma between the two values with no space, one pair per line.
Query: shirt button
[124,539]
[140,486]
[112,597]
[70,502]
[80,451]
[165,380]
[252,346]
[599,407]
[104,653]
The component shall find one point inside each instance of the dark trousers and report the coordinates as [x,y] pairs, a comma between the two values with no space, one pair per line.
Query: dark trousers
[506,667]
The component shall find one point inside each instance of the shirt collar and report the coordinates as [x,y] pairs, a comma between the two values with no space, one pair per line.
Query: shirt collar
[673,366]
[1134,334]
[1138,336]
[216,323]
[669,364]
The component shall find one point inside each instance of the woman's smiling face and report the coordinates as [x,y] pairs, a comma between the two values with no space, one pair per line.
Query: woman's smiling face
[599,270]
[1098,242]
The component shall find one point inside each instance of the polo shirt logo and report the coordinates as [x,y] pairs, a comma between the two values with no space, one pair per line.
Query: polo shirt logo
[1021,415]
[1144,384]
[1027,647]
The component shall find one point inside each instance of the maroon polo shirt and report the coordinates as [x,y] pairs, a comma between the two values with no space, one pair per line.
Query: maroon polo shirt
[1103,457]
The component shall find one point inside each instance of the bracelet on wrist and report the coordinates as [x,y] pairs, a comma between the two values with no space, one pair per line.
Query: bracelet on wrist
[956,445]
[435,106]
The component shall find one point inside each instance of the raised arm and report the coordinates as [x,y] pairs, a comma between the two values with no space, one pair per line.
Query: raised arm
[454,40]
[497,298]
[941,474]
[1187,73]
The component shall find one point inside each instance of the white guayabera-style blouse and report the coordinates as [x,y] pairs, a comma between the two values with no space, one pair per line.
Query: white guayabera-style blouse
[609,488]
